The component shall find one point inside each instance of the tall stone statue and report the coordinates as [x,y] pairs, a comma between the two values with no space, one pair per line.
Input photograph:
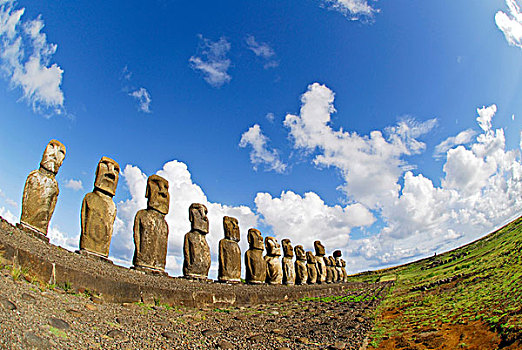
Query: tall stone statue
[151,231]
[99,211]
[320,261]
[338,265]
[343,269]
[288,263]
[329,268]
[254,262]
[311,268]
[335,274]
[229,253]
[196,251]
[274,270]
[301,273]
[41,190]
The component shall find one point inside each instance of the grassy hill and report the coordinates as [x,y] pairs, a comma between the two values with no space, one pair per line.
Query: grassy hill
[467,298]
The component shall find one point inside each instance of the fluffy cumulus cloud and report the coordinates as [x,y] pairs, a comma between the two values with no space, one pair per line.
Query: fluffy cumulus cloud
[183,192]
[411,216]
[511,23]
[25,60]
[8,215]
[262,50]
[62,239]
[75,185]
[352,9]
[143,99]
[260,153]
[212,61]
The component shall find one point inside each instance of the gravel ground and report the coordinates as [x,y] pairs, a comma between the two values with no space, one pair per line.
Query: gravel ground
[36,317]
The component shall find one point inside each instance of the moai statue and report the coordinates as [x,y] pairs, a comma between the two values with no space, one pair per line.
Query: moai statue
[195,248]
[311,268]
[229,252]
[288,263]
[151,231]
[335,274]
[338,265]
[99,211]
[274,270]
[301,273]
[41,190]
[329,272]
[254,261]
[320,262]
[343,268]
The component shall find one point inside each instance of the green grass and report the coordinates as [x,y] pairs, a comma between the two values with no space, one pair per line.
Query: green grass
[484,284]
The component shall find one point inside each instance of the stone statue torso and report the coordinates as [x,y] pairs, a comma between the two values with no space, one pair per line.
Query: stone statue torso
[229,261]
[150,238]
[255,266]
[301,273]
[39,200]
[197,255]
[288,271]
[98,214]
[274,270]
[321,269]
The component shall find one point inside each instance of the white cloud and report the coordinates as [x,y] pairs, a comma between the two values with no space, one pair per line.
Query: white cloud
[262,50]
[212,61]
[7,215]
[183,192]
[270,117]
[511,23]
[352,9]
[370,165]
[142,96]
[11,203]
[260,154]
[462,138]
[59,238]
[75,185]
[25,59]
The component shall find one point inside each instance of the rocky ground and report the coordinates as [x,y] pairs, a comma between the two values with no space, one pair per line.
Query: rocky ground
[33,316]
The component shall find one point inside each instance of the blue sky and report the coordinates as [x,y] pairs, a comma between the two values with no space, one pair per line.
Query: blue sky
[350,121]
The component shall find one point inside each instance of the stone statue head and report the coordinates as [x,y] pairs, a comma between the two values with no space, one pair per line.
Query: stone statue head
[272,247]
[157,194]
[319,248]
[231,228]
[288,250]
[53,156]
[198,218]
[255,241]
[299,252]
[310,258]
[107,174]
[337,254]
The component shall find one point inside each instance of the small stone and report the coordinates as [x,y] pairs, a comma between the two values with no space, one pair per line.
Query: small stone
[275,313]
[223,344]
[27,297]
[74,313]
[277,331]
[96,300]
[115,333]
[91,307]
[302,340]
[360,319]
[35,342]
[240,317]
[209,333]
[338,345]
[7,304]
[58,323]
[258,338]
[169,335]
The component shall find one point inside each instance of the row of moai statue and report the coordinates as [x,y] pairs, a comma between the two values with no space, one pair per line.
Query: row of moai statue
[151,231]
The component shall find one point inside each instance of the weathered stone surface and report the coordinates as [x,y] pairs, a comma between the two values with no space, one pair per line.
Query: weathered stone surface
[59,323]
[7,304]
[343,269]
[41,189]
[254,263]
[274,270]
[329,270]
[150,228]
[301,273]
[335,273]
[311,268]
[99,211]
[196,263]
[229,268]
[320,262]
[288,263]
[339,268]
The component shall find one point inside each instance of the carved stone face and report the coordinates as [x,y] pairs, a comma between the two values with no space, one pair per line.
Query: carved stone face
[337,254]
[198,218]
[158,194]
[310,258]
[299,252]
[288,250]
[255,241]
[319,248]
[107,174]
[53,156]
[272,247]
[231,228]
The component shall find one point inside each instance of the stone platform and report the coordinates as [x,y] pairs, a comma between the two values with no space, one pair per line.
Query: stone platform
[119,284]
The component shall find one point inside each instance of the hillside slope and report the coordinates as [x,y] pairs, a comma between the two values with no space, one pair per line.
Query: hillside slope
[468,298]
